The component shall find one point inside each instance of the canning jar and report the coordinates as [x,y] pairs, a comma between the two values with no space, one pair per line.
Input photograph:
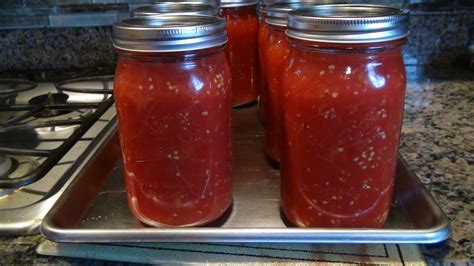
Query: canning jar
[167,8]
[241,51]
[263,36]
[343,95]
[173,99]
[276,54]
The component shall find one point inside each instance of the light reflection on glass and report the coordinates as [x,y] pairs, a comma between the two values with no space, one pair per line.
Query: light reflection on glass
[377,80]
[348,70]
[189,66]
[197,83]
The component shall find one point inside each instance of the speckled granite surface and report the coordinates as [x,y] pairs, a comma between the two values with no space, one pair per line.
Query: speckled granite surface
[438,143]
[56,48]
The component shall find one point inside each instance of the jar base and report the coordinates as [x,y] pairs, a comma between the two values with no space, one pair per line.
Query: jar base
[298,223]
[152,223]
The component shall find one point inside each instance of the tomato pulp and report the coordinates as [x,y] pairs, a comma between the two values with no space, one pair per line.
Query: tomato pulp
[263,38]
[342,107]
[174,114]
[276,55]
[241,52]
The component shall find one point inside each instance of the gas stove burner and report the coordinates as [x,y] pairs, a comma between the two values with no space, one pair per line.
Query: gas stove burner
[14,167]
[7,191]
[97,85]
[55,75]
[50,99]
[43,132]
[10,87]
[6,166]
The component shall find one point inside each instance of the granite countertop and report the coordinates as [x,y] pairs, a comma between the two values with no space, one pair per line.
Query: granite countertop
[437,142]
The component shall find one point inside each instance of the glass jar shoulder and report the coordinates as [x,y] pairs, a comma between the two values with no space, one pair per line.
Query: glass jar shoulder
[340,69]
[188,74]
[245,16]
[277,39]
[263,31]
[276,52]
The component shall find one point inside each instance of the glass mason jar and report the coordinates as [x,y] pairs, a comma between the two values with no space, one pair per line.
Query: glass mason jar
[263,36]
[241,51]
[343,95]
[167,8]
[276,54]
[173,99]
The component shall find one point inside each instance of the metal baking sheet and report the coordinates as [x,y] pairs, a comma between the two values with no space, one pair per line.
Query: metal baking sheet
[94,207]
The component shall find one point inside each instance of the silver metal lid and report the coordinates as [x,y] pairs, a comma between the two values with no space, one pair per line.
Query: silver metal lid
[267,3]
[169,33]
[315,2]
[277,13]
[263,4]
[215,3]
[237,3]
[348,23]
[175,9]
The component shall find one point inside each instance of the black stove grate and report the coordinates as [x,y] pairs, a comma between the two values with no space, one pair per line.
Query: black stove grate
[10,87]
[52,156]
[67,85]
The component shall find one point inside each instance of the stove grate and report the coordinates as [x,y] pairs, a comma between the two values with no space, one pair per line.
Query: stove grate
[53,156]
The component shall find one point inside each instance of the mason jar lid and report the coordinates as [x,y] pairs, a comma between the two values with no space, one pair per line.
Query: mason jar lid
[268,3]
[169,33]
[215,3]
[263,4]
[237,3]
[175,9]
[277,13]
[348,23]
[314,2]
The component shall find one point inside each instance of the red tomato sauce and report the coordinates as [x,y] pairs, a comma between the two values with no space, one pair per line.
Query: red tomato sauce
[263,38]
[174,119]
[341,126]
[241,52]
[276,55]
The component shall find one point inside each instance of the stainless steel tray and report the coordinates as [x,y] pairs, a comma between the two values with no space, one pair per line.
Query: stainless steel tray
[94,208]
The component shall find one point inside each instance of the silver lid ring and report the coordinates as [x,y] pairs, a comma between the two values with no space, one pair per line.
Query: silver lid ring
[169,33]
[348,23]
[170,8]
[238,3]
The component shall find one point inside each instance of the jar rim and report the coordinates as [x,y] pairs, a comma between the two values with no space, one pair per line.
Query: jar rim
[348,23]
[169,33]
[263,4]
[237,3]
[214,3]
[277,13]
[167,8]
